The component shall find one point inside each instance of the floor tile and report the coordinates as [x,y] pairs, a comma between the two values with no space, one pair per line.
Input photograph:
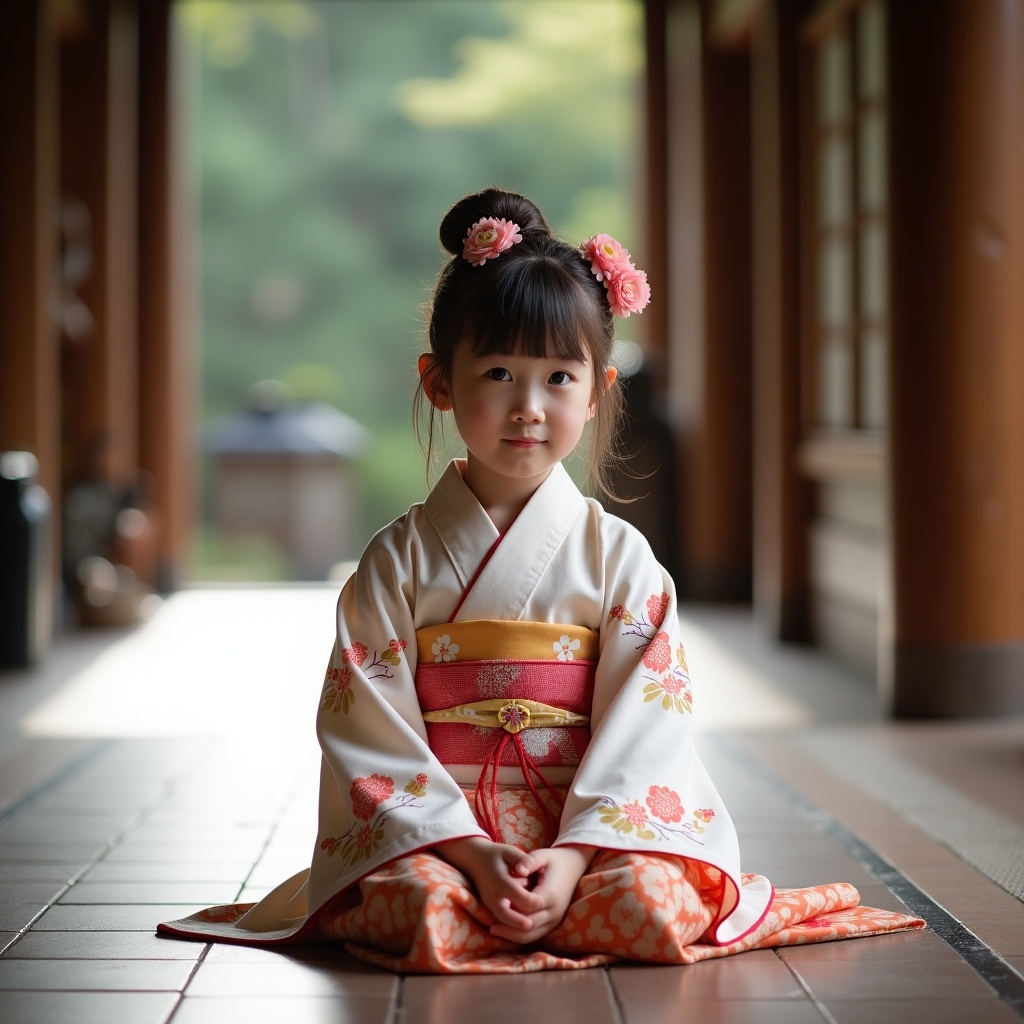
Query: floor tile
[126,917]
[44,945]
[86,1007]
[50,852]
[748,976]
[288,979]
[276,1010]
[14,916]
[723,1011]
[898,979]
[44,828]
[95,975]
[330,953]
[917,945]
[30,871]
[206,893]
[234,871]
[508,998]
[934,1011]
[1005,937]
[132,852]
[29,892]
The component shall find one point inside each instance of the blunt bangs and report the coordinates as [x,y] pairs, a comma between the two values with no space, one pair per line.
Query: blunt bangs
[538,311]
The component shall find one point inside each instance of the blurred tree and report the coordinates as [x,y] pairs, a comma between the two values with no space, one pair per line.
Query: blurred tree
[328,139]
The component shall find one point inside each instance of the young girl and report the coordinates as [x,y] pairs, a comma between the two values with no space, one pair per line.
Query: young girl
[509,781]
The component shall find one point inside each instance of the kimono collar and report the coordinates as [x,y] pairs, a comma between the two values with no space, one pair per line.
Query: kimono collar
[506,583]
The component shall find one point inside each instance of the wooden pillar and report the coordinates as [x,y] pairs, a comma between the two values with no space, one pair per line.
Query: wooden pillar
[98,99]
[656,193]
[708,111]
[165,433]
[29,340]
[781,497]
[957,372]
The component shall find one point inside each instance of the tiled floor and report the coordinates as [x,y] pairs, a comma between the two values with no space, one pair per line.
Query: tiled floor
[146,774]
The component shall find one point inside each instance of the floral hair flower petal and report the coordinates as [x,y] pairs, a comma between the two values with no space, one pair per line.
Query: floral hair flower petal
[627,287]
[488,238]
[628,291]
[605,255]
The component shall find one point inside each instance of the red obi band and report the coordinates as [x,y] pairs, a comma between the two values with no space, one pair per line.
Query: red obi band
[506,693]
[462,693]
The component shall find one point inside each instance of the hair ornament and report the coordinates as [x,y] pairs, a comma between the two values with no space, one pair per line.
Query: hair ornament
[627,287]
[488,238]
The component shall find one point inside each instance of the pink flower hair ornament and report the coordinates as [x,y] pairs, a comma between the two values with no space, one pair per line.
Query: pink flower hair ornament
[627,287]
[488,238]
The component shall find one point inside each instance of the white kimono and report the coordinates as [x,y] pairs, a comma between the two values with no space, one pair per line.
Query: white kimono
[384,793]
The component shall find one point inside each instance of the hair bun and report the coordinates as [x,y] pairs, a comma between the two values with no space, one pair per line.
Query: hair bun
[491,202]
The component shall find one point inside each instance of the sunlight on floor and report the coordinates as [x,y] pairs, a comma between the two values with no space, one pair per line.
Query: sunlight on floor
[217,662]
[250,662]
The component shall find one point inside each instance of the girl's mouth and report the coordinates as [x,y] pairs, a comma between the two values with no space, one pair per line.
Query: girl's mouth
[523,442]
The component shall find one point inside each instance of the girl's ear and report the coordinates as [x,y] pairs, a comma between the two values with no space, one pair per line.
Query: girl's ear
[610,375]
[433,387]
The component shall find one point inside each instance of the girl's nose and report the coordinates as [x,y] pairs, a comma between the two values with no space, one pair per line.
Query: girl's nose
[527,407]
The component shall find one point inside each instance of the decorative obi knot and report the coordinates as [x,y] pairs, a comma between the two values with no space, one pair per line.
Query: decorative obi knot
[524,688]
[511,715]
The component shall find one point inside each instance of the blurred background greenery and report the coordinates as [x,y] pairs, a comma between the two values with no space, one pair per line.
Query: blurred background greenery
[327,139]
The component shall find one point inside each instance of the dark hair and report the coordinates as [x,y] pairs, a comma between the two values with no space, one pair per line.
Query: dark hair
[537,298]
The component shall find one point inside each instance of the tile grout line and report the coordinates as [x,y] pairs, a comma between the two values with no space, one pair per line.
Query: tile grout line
[59,776]
[982,958]
[814,1000]
[188,981]
[618,1016]
[108,845]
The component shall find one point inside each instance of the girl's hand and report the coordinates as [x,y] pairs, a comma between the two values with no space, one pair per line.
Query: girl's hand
[558,871]
[500,875]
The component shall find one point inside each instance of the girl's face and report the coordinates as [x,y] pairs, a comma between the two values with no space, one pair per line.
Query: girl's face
[517,415]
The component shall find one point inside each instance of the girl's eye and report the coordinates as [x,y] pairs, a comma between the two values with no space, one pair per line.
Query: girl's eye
[559,377]
[498,373]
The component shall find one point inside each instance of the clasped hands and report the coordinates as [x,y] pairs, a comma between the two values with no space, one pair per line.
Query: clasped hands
[528,893]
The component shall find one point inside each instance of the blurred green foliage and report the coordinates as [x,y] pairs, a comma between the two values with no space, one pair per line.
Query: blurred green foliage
[327,139]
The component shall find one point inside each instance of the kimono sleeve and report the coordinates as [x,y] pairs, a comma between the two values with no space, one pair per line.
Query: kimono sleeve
[641,785]
[383,794]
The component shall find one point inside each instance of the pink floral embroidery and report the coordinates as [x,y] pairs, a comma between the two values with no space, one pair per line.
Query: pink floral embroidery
[634,813]
[338,695]
[356,654]
[657,606]
[621,613]
[382,664]
[673,690]
[658,655]
[417,786]
[368,793]
[664,804]
[392,654]
[701,817]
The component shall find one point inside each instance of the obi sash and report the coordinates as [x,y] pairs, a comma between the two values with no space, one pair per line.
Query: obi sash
[497,692]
